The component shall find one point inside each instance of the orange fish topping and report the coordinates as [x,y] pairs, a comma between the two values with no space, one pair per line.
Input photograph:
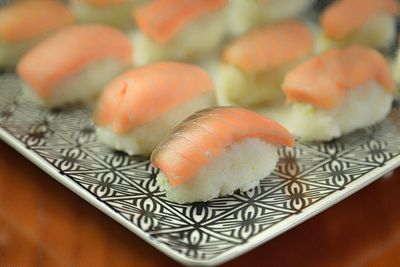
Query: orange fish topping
[142,95]
[68,51]
[23,20]
[206,134]
[344,17]
[324,80]
[269,46]
[162,19]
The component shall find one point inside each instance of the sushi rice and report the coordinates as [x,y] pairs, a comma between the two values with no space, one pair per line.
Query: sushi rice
[83,86]
[67,71]
[140,106]
[245,14]
[117,15]
[255,64]
[249,89]
[189,44]
[217,151]
[396,68]
[25,23]
[241,167]
[363,106]
[143,139]
[379,32]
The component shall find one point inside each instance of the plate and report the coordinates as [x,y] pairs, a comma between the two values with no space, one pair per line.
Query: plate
[307,180]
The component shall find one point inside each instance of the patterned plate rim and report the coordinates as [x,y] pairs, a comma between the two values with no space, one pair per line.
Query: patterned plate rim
[263,237]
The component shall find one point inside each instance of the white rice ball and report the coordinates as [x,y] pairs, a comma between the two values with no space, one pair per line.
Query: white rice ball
[245,14]
[379,32]
[119,15]
[82,86]
[250,89]
[241,167]
[363,106]
[143,139]
[194,40]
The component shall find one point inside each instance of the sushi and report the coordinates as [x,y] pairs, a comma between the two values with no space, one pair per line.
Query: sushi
[111,12]
[74,64]
[366,22]
[337,92]
[245,14]
[255,64]
[24,23]
[217,151]
[142,105]
[396,65]
[178,29]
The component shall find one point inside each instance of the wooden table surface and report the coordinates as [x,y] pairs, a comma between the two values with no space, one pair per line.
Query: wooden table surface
[44,224]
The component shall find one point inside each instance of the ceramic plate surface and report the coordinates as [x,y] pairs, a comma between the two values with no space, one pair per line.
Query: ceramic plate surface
[308,179]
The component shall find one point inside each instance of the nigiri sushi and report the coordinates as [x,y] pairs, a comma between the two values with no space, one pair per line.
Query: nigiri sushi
[112,12]
[178,29]
[396,65]
[367,22]
[140,106]
[75,63]
[337,92]
[217,151]
[255,64]
[245,14]
[24,23]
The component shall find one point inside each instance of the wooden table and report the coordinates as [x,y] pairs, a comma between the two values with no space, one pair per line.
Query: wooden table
[44,224]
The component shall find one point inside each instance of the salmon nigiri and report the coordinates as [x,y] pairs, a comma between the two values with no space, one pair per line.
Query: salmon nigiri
[367,22]
[217,151]
[140,106]
[111,12]
[245,14]
[75,63]
[255,64]
[338,92]
[396,67]
[179,29]
[24,23]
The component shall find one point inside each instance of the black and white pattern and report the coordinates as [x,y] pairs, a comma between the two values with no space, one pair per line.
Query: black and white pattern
[308,178]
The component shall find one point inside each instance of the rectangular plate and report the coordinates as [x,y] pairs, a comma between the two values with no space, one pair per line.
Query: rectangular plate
[308,179]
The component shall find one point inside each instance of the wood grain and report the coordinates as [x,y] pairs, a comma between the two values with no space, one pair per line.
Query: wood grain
[44,224]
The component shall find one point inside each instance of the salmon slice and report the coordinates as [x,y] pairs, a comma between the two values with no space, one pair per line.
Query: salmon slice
[23,20]
[68,51]
[144,94]
[102,3]
[346,16]
[162,19]
[206,134]
[324,80]
[269,46]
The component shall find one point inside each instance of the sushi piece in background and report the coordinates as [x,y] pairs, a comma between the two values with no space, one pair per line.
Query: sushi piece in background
[139,107]
[217,151]
[337,92]
[24,23]
[367,22]
[245,14]
[75,63]
[396,66]
[116,13]
[255,64]
[179,29]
